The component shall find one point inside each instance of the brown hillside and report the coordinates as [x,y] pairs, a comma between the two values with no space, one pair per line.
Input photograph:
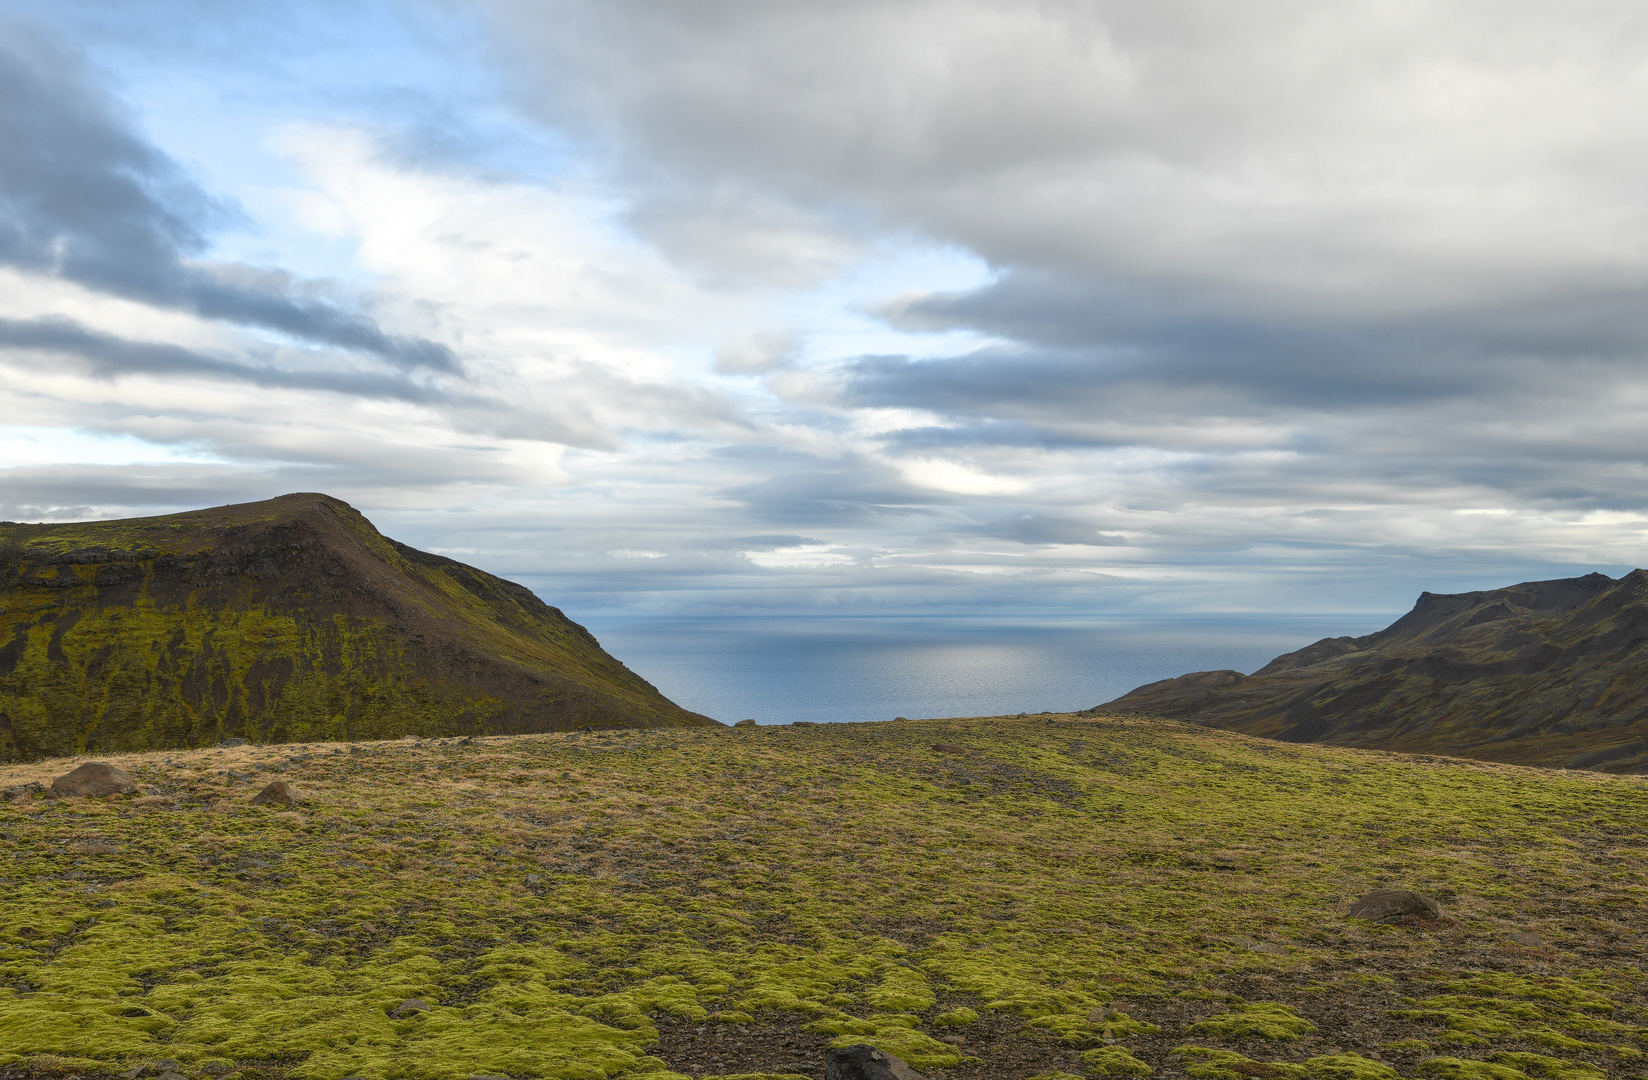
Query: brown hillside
[1545,672]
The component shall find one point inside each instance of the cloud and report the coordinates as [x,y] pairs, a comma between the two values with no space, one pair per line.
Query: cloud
[107,356]
[85,198]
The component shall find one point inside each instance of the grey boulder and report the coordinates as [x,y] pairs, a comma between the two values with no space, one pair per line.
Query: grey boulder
[864,1062]
[277,793]
[1383,905]
[93,778]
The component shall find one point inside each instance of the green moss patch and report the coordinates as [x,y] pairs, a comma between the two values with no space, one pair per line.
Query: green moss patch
[648,904]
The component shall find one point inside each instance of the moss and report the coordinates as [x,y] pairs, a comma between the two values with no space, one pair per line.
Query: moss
[1258,1020]
[1549,1068]
[1347,1067]
[1113,1061]
[812,872]
[1204,1063]
[1452,1068]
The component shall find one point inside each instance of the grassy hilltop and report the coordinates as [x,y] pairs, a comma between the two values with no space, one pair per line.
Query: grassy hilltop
[281,621]
[1070,896]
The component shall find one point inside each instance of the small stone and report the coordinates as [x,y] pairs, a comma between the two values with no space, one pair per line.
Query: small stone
[236,741]
[409,1006]
[1383,905]
[533,879]
[93,778]
[216,1068]
[949,748]
[863,1062]
[277,793]
[23,791]
[1529,939]
[166,1065]
[97,847]
[746,723]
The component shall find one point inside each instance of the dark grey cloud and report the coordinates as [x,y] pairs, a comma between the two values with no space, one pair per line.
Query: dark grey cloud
[106,356]
[85,198]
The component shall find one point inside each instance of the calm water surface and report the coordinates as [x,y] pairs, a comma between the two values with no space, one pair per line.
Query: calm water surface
[780,669]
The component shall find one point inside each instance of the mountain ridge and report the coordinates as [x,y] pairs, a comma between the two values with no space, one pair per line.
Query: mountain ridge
[1542,672]
[287,619]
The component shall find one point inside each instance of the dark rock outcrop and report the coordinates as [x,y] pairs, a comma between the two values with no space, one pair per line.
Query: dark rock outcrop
[1541,673]
[281,621]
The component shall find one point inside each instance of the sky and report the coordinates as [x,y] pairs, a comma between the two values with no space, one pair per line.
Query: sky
[856,307]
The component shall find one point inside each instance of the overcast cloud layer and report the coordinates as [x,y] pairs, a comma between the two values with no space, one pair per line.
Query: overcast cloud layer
[848,306]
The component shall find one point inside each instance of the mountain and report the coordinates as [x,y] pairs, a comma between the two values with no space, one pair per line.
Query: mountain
[1541,673]
[286,620]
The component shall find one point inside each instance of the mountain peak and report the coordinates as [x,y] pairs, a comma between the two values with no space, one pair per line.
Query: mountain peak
[290,618]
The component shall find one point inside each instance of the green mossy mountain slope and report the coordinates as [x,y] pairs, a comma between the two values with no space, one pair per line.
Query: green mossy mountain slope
[277,621]
[1545,672]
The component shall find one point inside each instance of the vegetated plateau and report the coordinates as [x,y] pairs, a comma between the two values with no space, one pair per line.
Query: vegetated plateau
[1545,672]
[286,620]
[1049,896]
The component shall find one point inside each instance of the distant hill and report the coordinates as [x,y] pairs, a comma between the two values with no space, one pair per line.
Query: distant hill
[291,619]
[1543,673]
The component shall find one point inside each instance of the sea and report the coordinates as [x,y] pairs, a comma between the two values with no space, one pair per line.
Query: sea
[835,669]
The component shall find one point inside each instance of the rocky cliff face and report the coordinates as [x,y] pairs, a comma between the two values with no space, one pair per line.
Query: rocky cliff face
[291,619]
[1545,672]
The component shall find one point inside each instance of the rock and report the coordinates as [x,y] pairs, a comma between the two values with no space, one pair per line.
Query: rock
[165,1065]
[901,719]
[93,778]
[1529,939]
[278,793]
[746,723]
[1383,905]
[408,1007]
[23,791]
[98,847]
[949,748]
[862,1062]
[170,1075]
[237,741]
[216,1068]
[803,723]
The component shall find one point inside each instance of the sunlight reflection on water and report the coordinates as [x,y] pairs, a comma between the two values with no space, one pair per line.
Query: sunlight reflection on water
[781,669]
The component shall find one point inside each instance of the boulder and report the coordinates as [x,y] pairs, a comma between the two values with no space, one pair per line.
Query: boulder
[23,791]
[949,748]
[863,1062]
[408,1007]
[93,778]
[277,793]
[1383,905]
[746,723]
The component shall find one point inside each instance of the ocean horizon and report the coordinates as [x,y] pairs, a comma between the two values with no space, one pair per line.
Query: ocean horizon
[852,668]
